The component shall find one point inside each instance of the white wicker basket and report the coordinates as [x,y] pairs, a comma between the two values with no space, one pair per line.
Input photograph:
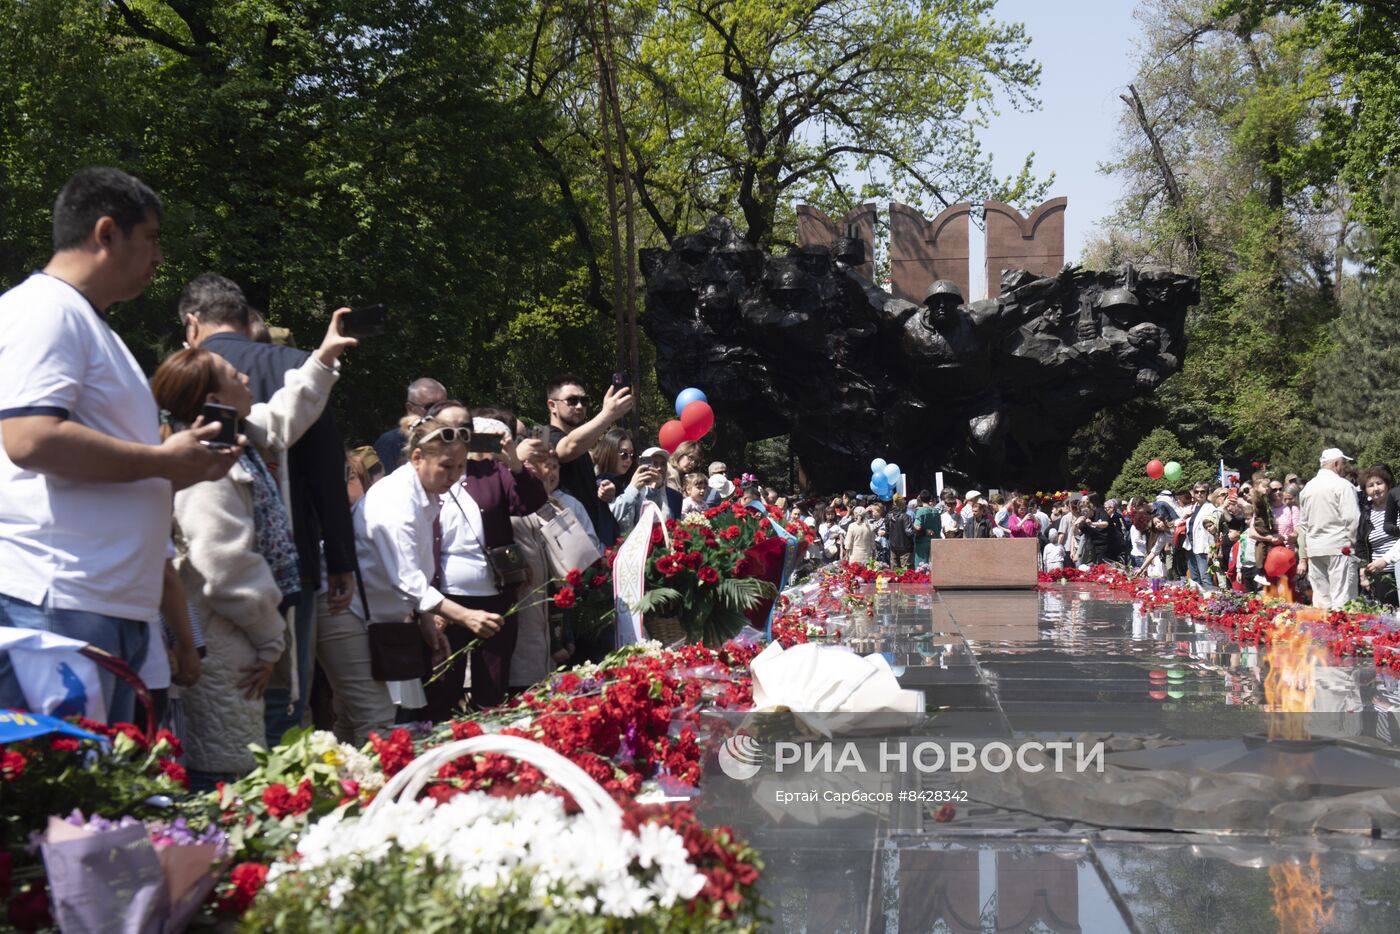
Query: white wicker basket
[595,803]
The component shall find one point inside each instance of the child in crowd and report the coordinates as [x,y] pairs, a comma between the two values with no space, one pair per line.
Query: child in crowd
[696,486]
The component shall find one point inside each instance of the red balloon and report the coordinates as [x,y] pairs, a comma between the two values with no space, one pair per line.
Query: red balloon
[1155,469]
[1279,563]
[698,418]
[671,435]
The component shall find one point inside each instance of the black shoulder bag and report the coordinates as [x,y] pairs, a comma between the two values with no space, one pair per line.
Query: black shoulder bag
[396,650]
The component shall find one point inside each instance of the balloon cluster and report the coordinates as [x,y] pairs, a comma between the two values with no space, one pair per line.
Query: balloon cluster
[883,478]
[1170,471]
[695,421]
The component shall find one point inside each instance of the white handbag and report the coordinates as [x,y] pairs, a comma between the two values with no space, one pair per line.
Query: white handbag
[567,544]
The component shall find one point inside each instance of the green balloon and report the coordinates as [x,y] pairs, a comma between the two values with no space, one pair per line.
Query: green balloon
[1172,472]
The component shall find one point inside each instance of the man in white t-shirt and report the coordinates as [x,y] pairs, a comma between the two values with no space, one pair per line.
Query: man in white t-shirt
[85,482]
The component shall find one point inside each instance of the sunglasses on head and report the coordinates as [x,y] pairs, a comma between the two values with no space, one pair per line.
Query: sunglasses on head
[573,400]
[448,434]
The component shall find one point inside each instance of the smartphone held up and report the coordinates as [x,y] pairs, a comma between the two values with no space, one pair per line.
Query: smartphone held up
[227,417]
[365,321]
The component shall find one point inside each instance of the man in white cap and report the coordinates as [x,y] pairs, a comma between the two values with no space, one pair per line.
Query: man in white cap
[1330,515]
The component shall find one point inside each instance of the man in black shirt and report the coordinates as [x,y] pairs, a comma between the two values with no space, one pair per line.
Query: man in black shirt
[215,314]
[572,434]
[423,394]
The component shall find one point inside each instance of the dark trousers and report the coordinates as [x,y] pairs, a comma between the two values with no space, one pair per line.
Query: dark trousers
[489,661]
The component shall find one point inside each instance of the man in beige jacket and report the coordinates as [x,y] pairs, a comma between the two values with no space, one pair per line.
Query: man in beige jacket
[1330,516]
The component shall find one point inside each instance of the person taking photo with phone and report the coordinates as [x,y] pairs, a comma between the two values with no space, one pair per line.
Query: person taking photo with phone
[238,561]
[572,435]
[85,479]
[214,313]
[648,485]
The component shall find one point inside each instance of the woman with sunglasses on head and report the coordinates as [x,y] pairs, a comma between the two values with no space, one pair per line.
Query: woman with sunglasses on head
[237,561]
[477,535]
[396,544]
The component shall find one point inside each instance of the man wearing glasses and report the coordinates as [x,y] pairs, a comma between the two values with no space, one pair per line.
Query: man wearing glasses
[423,394]
[1201,525]
[572,435]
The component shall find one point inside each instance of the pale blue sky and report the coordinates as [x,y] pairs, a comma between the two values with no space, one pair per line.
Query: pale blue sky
[1085,50]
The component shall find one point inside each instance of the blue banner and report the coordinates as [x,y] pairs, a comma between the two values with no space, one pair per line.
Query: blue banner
[16,725]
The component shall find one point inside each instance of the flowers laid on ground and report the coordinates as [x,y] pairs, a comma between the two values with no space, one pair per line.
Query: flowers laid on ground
[1253,621]
[56,774]
[713,572]
[491,863]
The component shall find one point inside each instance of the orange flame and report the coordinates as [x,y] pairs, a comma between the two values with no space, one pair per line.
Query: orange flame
[1290,686]
[1301,904]
[1279,590]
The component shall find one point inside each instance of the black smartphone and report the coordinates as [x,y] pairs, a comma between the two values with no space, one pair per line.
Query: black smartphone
[481,443]
[368,321]
[227,417]
[619,380]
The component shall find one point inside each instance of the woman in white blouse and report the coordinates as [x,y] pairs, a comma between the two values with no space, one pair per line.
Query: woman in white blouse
[394,542]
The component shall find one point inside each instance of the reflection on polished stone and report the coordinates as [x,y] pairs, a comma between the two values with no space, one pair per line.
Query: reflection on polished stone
[1243,830]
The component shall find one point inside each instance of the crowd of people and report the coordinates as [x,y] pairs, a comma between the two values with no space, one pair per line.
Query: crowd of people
[210,527]
[1334,538]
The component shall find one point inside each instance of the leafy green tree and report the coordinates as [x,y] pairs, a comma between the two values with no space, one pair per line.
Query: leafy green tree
[317,153]
[1358,392]
[1162,445]
[1358,139]
[1216,117]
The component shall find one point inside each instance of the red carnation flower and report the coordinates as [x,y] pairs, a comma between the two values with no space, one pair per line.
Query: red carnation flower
[730,533]
[248,880]
[177,751]
[709,575]
[598,580]
[282,803]
[175,772]
[692,559]
[668,565]
[395,752]
[574,578]
[564,599]
[12,764]
[64,744]
[465,729]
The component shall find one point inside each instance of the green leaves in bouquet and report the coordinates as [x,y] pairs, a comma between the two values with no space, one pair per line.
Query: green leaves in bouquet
[710,613]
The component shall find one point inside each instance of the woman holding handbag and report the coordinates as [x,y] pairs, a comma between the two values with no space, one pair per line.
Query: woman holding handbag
[396,542]
[482,567]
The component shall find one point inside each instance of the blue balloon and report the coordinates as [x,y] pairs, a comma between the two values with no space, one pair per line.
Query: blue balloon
[877,465]
[879,485]
[892,473]
[688,396]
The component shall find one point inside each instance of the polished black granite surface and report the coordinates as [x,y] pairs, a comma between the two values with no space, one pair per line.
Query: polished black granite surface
[1173,700]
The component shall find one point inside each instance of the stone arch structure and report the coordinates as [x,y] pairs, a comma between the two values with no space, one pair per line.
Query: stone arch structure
[922,250]
[1035,243]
